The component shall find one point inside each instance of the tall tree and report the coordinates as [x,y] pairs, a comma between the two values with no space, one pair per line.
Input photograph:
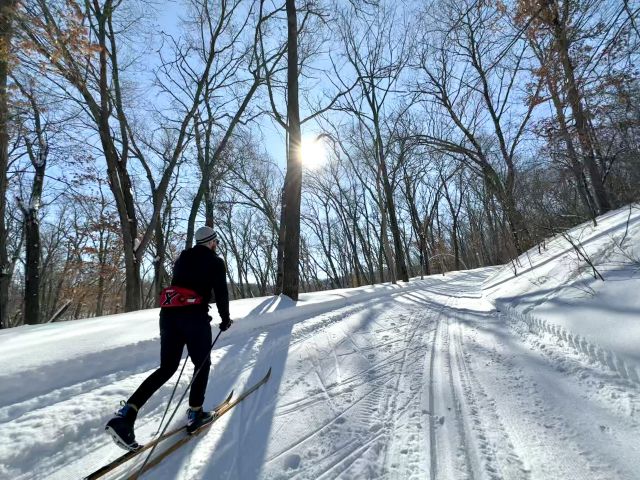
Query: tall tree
[477,108]
[247,65]
[293,178]
[378,52]
[569,36]
[7,14]
[37,146]
[89,60]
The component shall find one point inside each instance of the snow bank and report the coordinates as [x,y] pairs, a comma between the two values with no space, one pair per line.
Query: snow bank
[583,287]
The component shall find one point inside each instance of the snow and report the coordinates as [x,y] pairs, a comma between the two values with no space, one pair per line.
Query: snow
[558,288]
[419,380]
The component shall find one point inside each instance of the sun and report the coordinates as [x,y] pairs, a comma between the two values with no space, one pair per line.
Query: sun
[313,153]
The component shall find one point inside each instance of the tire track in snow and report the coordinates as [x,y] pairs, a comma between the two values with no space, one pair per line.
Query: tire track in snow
[404,434]
[348,383]
[463,452]
[348,456]
[610,401]
[467,436]
[376,405]
[433,457]
[492,443]
[598,380]
[363,405]
[364,402]
[448,446]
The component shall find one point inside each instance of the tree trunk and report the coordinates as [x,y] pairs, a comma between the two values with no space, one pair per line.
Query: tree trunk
[159,274]
[133,283]
[208,204]
[576,165]
[32,268]
[195,206]
[280,254]
[32,315]
[7,11]
[293,179]
[456,245]
[424,255]
[400,263]
[31,222]
[101,281]
[381,261]
[400,267]
[384,236]
[119,180]
[580,118]
[455,212]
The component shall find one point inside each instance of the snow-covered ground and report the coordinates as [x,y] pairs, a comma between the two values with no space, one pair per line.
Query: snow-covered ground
[596,308]
[423,380]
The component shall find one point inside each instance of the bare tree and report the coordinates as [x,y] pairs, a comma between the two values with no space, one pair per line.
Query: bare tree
[557,19]
[471,90]
[36,129]
[454,201]
[293,179]
[211,143]
[89,62]
[377,55]
[7,14]
[422,191]
[587,53]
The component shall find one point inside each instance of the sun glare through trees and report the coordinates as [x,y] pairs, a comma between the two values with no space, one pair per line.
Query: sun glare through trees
[313,153]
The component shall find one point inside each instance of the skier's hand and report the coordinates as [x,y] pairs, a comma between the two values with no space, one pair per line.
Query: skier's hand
[225,324]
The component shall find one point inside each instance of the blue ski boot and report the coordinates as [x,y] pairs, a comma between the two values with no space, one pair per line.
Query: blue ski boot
[120,428]
[197,418]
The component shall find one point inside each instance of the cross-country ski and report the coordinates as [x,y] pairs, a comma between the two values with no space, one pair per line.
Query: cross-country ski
[143,448]
[217,413]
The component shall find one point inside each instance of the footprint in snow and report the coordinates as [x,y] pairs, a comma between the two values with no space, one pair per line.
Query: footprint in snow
[292,461]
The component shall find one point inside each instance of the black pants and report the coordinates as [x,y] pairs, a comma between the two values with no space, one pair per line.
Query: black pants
[177,330]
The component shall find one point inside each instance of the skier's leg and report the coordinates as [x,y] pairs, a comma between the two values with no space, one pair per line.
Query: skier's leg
[198,339]
[171,346]
[120,427]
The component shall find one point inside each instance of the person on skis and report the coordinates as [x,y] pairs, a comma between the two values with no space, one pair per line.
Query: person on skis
[184,320]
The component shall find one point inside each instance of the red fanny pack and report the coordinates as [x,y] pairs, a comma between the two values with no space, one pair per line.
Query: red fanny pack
[179,297]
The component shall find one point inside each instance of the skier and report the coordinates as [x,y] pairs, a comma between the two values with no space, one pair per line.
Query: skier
[183,321]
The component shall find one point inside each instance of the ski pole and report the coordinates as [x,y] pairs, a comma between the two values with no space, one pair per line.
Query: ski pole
[175,387]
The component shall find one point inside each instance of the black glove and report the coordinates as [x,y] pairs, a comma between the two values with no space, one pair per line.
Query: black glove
[226,323]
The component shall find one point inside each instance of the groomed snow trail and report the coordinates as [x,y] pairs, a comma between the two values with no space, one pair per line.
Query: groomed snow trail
[424,382]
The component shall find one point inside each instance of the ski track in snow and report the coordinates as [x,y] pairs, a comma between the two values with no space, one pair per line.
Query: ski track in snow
[428,382]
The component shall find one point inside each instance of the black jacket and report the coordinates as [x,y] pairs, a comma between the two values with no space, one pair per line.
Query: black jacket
[201,270]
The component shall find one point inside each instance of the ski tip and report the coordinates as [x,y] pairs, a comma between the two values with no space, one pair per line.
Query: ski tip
[268,373]
[224,402]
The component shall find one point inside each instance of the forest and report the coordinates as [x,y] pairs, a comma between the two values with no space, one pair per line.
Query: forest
[330,143]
